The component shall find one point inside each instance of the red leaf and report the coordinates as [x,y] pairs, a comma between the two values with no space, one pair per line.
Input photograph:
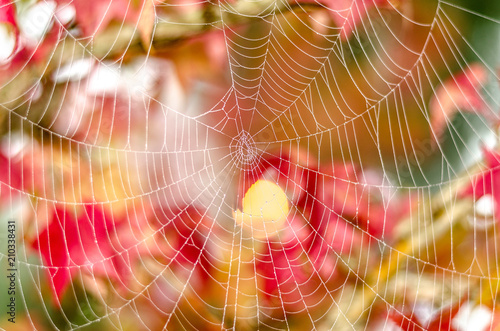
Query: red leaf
[338,201]
[11,174]
[74,242]
[460,92]
[441,320]
[488,182]
[286,271]
[406,323]
[9,30]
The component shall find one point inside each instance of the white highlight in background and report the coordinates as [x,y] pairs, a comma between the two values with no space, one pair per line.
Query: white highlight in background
[36,21]
[73,71]
[8,42]
[472,318]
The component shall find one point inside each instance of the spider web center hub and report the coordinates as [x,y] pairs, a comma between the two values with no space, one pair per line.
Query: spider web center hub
[244,151]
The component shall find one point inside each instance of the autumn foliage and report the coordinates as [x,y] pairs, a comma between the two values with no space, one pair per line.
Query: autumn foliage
[249,164]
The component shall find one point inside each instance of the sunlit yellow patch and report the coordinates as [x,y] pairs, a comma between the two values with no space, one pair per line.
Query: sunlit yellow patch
[265,209]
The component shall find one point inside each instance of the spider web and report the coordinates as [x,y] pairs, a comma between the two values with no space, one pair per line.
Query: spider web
[128,159]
